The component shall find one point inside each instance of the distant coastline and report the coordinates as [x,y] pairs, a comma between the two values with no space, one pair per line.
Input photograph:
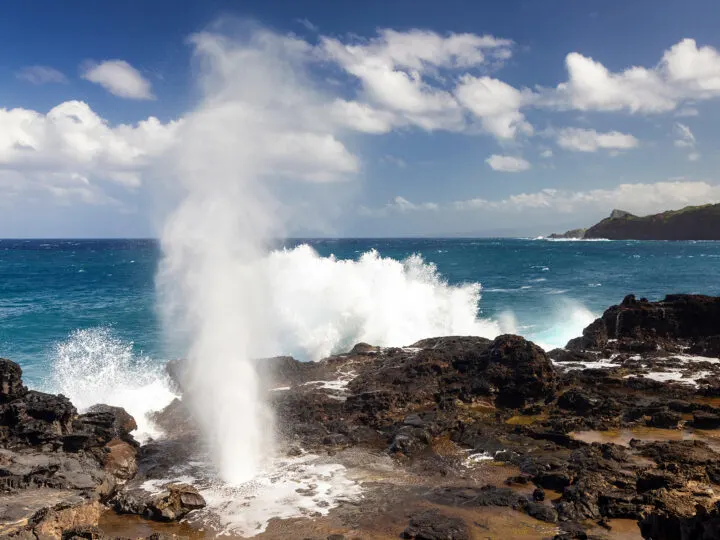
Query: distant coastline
[689,223]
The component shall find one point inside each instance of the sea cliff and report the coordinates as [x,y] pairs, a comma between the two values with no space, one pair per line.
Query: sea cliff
[690,223]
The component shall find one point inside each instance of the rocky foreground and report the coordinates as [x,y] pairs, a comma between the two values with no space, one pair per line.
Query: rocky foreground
[615,436]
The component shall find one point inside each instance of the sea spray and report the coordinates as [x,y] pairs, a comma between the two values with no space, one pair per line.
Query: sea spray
[94,366]
[256,125]
[325,305]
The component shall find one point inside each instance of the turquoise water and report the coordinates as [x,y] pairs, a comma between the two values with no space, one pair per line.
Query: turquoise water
[51,289]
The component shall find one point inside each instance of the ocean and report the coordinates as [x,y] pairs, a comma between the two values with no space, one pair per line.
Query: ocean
[81,316]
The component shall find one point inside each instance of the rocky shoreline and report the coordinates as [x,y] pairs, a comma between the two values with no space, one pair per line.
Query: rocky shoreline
[615,436]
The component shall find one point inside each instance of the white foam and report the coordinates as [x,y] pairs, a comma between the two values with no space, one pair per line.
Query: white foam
[598,364]
[289,488]
[336,387]
[474,459]
[680,374]
[93,366]
[575,239]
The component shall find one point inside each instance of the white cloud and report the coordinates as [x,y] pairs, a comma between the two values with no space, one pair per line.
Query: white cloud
[70,149]
[400,73]
[507,163]
[496,104]
[308,25]
[41,75]
[589,140]
[591,86]
[363,117]
[685,72]
[401,204]
[546,154]
[636,198]
[398,162]
[119,78]
[693,69]
[684,136]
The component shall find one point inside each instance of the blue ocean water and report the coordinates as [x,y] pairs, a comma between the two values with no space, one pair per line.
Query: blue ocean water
[51,289]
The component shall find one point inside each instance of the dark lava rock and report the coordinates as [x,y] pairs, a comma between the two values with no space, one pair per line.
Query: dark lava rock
[36,419]
[11,385]
[543,512]
[709,346]
[471,496]
[706,420]
[539,495]
[363,348]
[432,525]
[578,400]
[665,420]
[683,318]
[703,524]
[105,423]
[520,370]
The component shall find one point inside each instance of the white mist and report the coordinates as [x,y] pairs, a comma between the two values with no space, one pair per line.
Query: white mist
[254,127]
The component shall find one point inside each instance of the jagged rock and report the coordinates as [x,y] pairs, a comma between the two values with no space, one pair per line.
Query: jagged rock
[679,318]
[173,503]
[432,525]
[122,422]
[680,521]
[36,419]
[11,385]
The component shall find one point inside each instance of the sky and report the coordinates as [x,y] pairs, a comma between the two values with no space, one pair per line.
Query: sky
[374,118]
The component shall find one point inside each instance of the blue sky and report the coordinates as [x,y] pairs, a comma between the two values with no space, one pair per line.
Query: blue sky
[478,118]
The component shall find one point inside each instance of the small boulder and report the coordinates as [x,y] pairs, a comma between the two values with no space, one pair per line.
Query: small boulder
[432,525]
[706,420]
[171,504]
[665,420]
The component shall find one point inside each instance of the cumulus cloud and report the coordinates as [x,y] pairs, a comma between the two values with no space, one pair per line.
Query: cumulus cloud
[507,163]
[400,73]
[636,198]
[685,72]
[120,79]
[70,149]
[589,140]
[41,75]
[496,104]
